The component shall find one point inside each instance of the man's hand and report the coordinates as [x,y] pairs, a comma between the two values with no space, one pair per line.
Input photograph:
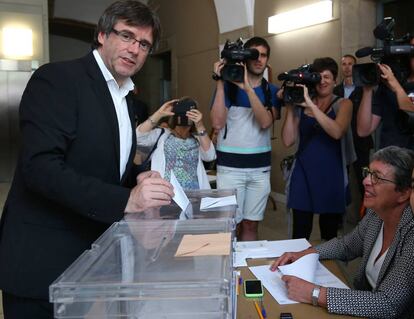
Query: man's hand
[389,77]
[151,191]
[217,67]
[245,85]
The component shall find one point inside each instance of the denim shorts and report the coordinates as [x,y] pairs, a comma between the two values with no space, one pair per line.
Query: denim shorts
[253,189]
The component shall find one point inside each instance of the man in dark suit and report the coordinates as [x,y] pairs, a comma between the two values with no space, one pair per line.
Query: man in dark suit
[348,90]
[73,178]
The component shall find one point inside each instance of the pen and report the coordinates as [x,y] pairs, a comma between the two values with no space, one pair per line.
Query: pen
[259,312]
[263,308]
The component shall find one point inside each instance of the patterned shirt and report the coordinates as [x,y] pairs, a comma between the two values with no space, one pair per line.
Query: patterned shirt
[181,156]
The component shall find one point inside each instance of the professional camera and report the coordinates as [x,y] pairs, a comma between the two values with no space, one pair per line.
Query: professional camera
[234,52]
[180,109]
[394,53]
[293,94]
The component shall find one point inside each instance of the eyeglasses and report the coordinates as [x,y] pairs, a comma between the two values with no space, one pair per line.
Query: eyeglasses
[128,37]
[374,176]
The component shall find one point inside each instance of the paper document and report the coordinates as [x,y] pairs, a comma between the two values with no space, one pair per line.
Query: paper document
[179,195]
[212,202]
[266,249]
[276,287]
[304,268]
[204,245]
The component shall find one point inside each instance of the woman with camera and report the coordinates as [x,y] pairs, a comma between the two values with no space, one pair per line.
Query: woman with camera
[182,147]
[318,182]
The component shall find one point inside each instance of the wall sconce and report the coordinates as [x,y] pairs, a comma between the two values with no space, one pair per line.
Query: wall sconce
[17,42]
[299,18]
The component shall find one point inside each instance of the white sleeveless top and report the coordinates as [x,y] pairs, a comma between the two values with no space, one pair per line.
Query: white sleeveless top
[373,267]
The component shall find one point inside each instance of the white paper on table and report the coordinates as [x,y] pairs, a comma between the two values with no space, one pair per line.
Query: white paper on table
[240,259]
[276,287]
[266,249]
[212,202]
[272,282]
[179,196]
[278,247]
[304,267]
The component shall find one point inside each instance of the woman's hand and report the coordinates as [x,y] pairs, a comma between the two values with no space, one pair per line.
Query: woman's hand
[279,93]
[196,116]
[290,257]
[298,289]
[308,101]
[164,110]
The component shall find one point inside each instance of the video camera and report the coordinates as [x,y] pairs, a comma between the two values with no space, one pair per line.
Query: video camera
[392,53]
[293,94]
[234,52]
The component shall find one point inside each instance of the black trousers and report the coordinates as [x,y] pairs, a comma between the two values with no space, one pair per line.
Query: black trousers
[328,224]
[15,307]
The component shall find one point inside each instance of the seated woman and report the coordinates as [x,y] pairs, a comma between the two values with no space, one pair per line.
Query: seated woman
[319,180]
[181,148]
[384,238]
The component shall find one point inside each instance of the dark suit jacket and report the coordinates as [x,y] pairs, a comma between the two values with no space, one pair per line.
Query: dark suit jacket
[66,190]
[361,144]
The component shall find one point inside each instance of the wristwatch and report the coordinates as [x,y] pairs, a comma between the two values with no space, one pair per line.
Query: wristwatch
[315,295]
[202,133]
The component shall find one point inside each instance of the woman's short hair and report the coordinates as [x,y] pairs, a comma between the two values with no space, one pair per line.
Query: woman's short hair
[402,160]
[325,64]
[133,13]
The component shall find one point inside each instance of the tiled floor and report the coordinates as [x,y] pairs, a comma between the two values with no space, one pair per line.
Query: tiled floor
[274,227]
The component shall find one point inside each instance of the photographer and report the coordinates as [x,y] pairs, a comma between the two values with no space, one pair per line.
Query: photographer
[182,147]
[349,90]
[318,184]
[243,112]
[384,105]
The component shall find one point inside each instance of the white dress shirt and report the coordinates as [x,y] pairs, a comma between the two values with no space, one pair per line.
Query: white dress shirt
[121,108]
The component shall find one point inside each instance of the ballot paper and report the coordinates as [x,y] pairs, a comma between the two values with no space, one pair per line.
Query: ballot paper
[179,195]
[304,267]
[308,267]
[204,245]
[213,202]
[266,249]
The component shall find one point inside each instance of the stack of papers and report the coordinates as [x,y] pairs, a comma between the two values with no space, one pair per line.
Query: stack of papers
[266,249]
[308,268]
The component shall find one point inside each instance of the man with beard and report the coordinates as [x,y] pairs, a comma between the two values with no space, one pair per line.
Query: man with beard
[243,112]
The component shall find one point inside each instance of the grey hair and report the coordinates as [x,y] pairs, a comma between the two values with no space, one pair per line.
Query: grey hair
[133,13]
[402,161]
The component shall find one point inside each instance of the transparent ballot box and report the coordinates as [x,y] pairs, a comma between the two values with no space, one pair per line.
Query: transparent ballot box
[134,271]
[173,211]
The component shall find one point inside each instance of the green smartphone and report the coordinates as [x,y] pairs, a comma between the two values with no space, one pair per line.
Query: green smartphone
[253,288]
